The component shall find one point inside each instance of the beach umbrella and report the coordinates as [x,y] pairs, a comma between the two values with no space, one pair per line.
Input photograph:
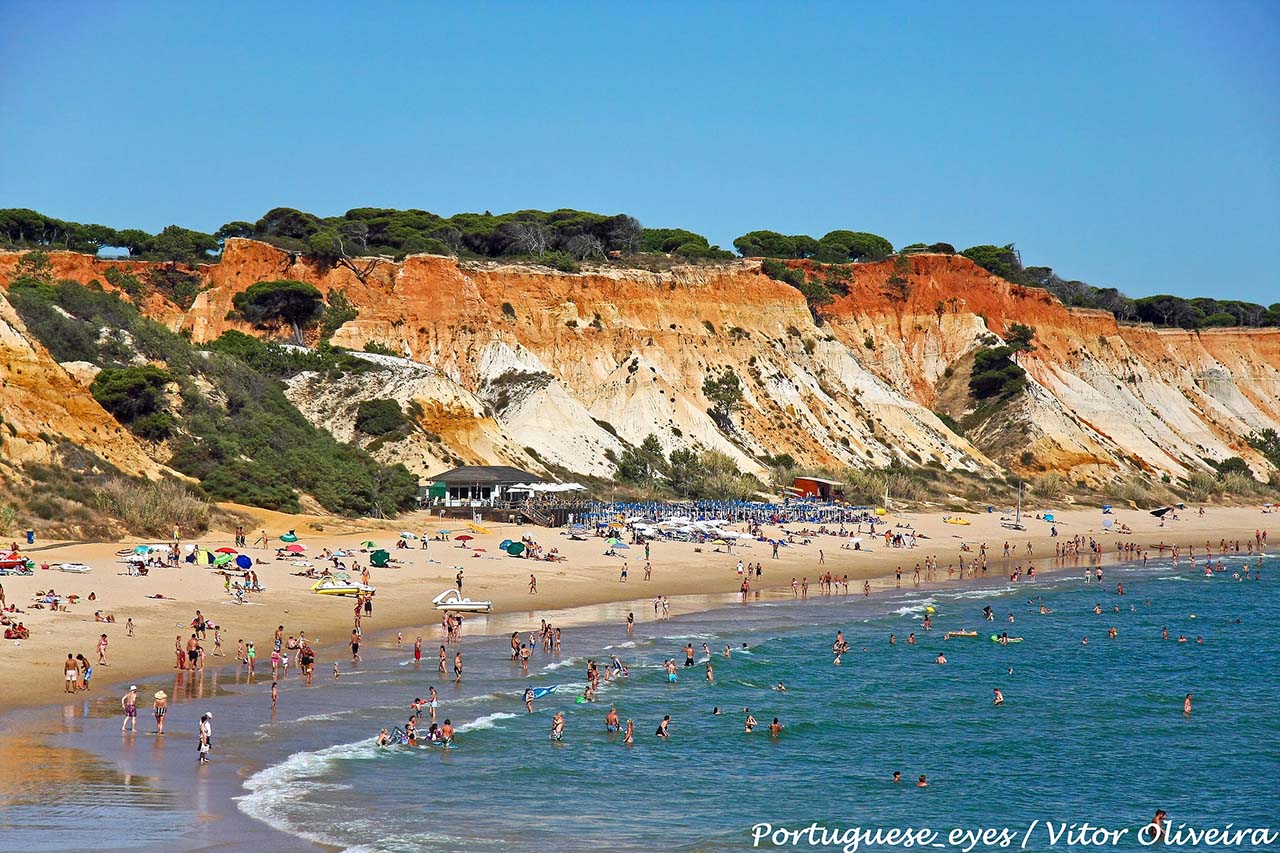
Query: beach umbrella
[504,543]
[465,538]
[367,544]
[244,562]
[622,546]
[515,549]
[479,550]
[223,560]
[613,540]
[444,532]
[1048,516]
[379,559]
[1162,511]
[141,549]
[205,557]
[295,548]
[289,537]
[225,550]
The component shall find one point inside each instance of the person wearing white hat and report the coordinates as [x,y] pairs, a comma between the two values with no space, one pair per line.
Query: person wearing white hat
[129,704]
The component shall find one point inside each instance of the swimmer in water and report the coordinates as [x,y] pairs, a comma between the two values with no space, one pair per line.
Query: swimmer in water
[611,723]
[940,659]
[629,737]
[1186,705]
[775,728]
[662,731]
[999,700]
[781,688]
[528,699]
[923,783]
[897,777]
[557,726]
[750,723]
[383,738]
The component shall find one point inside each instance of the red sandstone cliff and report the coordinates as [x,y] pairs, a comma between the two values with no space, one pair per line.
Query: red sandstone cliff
[521,359]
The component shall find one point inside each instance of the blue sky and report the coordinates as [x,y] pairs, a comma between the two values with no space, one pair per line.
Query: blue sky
[1129,144]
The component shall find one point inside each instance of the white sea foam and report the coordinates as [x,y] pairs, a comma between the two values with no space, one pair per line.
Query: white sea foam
[272,789]
[562,663]
[488,721]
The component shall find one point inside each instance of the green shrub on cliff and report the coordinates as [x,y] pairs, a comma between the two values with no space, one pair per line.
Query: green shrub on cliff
[231,426]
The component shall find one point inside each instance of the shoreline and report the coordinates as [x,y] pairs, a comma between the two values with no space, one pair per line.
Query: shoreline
[704,580]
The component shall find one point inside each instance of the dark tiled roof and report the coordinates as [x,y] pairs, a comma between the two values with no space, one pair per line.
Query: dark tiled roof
[487,474]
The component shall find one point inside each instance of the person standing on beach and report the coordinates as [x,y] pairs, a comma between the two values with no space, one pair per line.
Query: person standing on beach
[129,704]
[70,672]
[622,578]
[417,651]
[648,567]
[631,622]
[432,703]
[533,585]
[102,650]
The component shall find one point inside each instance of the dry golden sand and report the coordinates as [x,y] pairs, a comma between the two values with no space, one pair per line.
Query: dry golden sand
[31,671]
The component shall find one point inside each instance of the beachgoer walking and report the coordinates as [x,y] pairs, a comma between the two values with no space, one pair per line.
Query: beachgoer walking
[533,585]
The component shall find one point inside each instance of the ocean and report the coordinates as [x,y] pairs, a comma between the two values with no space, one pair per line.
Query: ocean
[1090,733]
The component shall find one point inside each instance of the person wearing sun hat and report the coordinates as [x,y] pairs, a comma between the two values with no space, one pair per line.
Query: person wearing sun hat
[159,708]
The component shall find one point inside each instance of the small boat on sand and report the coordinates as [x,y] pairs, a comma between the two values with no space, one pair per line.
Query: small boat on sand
[74,568]
[341,585]
[451,599]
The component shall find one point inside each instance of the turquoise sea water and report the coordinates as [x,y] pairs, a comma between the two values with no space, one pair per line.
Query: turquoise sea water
[1087,733]
[1090,733]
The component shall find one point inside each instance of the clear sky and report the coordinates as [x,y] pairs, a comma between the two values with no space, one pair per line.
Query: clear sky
[1128,144]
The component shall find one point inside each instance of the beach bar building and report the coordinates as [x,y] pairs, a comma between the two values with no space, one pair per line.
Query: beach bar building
[478,485]
[817,487]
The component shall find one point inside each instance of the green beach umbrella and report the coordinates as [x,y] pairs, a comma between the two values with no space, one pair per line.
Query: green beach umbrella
[515,549]
[368,545]
[379,559]
[224,559]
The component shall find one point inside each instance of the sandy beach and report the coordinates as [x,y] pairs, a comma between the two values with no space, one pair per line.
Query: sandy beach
[696,577]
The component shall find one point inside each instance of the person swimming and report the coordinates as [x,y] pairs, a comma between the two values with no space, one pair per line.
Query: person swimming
[611,723]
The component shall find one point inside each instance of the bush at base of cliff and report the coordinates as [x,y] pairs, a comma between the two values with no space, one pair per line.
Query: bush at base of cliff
[154,508]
